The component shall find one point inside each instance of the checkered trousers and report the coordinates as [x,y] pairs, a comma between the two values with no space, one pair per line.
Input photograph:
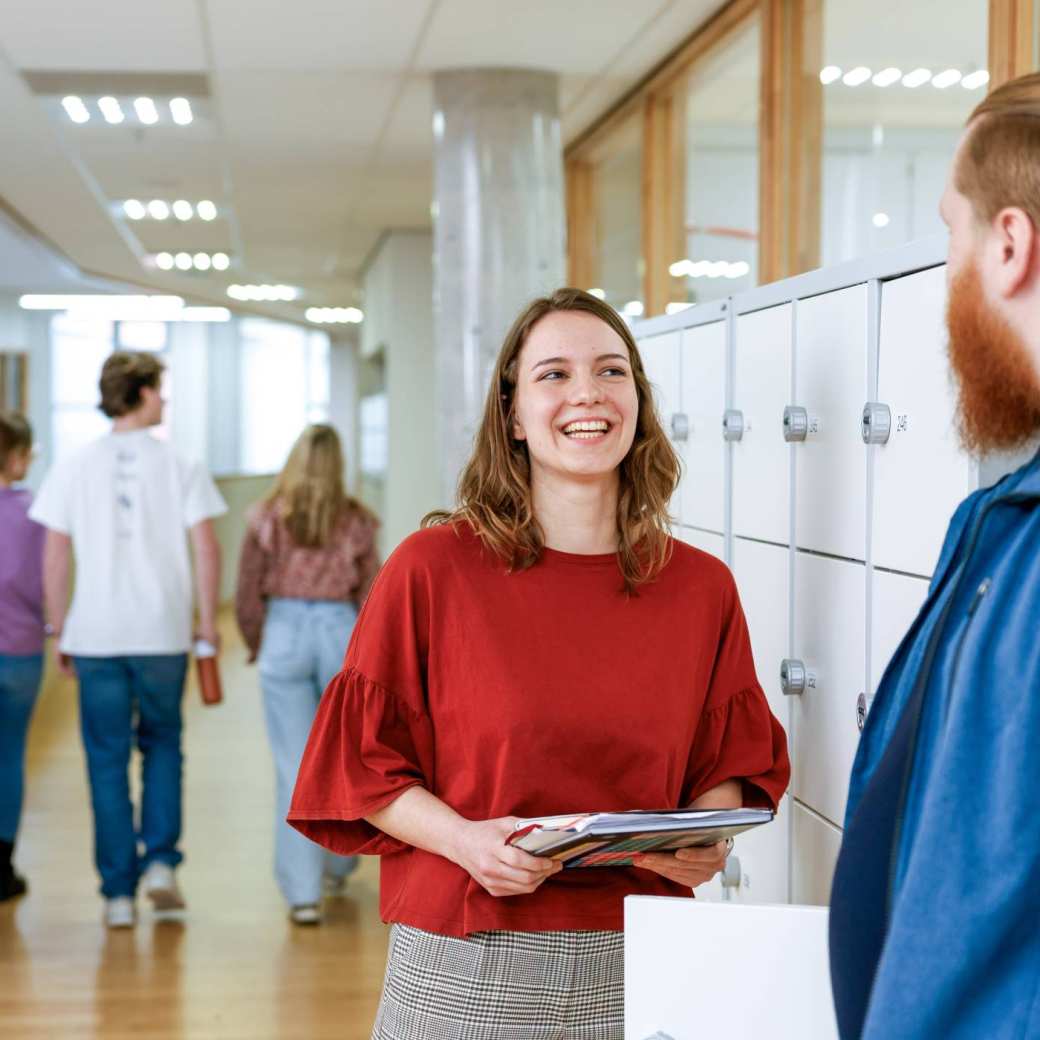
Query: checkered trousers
[502,986]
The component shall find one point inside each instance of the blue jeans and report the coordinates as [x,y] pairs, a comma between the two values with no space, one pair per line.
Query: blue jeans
[302,649]
[122,699]
[20,676]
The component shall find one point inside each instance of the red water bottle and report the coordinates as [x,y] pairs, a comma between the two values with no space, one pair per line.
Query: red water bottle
[208,672]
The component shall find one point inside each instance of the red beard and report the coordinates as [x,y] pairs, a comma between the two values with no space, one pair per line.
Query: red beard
[998,405]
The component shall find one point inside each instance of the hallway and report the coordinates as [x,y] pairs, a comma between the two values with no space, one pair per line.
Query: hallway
[234,967]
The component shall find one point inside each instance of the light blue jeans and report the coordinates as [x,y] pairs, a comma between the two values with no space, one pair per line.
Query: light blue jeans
[302,649]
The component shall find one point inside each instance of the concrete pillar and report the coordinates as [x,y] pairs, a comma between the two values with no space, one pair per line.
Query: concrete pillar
[499,231]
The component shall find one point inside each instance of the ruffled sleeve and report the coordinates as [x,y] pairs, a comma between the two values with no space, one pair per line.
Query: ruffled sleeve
[738,737]
[366,747]
[372,737]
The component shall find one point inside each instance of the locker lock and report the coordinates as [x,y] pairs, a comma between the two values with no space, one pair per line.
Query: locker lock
[796,423]
[861,711]
[877,423]
[731,874]
[732,424]
[793,677]
[680,426]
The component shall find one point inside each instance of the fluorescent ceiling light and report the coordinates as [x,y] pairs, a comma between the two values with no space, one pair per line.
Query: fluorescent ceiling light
[881,220]
[975,79]
[221,261]
[180,109]
[204,314]
[164,261]
[206,209]
[886,77]
[946,79]
[75,109]
[718,269]
[829,74]
[146,111]
[183,261]
[674,308]
[917,78]
[287,293]
[700,268]
[236,292]
[201,261]
[115,308]
[738,269]
[313,314]
[856,76]
[134,209]
[598,293]
[634,308]
[111,110]
[355,315]
[182,210]
[158,210]
[679,268]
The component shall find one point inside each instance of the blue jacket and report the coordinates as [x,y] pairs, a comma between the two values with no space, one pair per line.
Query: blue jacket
[935,911]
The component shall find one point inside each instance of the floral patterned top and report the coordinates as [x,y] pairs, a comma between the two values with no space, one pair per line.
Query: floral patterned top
[273,565]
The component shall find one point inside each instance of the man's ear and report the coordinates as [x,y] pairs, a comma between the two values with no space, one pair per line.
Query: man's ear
[1016,248]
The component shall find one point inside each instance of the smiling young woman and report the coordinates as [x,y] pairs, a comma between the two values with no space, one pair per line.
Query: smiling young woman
[544,648]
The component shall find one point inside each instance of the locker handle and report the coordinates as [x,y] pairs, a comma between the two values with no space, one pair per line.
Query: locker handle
[796,423]
[793,677]
[732,424]
[731,873]
[876,426]
[680,426]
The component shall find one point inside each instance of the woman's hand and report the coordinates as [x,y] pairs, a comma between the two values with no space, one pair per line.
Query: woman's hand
[688,867]
[480,849]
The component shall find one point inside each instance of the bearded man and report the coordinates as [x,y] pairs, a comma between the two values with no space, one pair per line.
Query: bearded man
[935,909]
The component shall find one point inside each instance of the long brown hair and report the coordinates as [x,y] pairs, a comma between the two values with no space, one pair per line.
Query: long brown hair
[494,493]
[308,495]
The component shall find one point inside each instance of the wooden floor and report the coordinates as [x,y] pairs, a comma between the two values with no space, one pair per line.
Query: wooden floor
[234,967]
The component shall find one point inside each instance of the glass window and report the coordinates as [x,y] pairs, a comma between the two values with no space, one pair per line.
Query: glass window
[896,93]
[274,392]
[142,335]
[618,173]
[318,379]
[79,347]
[721,209]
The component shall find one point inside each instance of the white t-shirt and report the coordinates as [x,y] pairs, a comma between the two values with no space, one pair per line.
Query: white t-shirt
[127,501]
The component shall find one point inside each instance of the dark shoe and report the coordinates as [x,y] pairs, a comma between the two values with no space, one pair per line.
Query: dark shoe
[12,885]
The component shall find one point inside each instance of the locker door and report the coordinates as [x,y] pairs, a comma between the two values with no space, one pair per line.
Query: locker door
[703,401]
[896,599]
[660,355]
[761,458]
[829,640]
[706,541]
[920,474]
[815,844]
[761,575]
[830,384]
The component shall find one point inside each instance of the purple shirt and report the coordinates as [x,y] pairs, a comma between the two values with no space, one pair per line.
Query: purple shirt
[21,575]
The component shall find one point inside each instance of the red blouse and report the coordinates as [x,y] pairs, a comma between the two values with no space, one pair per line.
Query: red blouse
[533,693]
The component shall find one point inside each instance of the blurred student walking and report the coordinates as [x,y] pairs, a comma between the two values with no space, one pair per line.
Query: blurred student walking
[21,634]
[124,505]
[308,560]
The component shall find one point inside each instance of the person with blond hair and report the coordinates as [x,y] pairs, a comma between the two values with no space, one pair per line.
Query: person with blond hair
[308,560]
[544,648]
[22,633]
[127,506]
[935,909]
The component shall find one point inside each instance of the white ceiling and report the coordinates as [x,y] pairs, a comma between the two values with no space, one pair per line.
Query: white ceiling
[316,137]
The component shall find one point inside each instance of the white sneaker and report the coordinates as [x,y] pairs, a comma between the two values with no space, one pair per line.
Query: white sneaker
[160,886]
[119,912]
[305,913]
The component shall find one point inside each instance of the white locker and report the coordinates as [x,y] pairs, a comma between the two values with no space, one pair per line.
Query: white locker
[830,644]
[910,513]
[816,843]
[706,541]
[761,458]
[660,356]
[703,362]
[896,600]
[830,365]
